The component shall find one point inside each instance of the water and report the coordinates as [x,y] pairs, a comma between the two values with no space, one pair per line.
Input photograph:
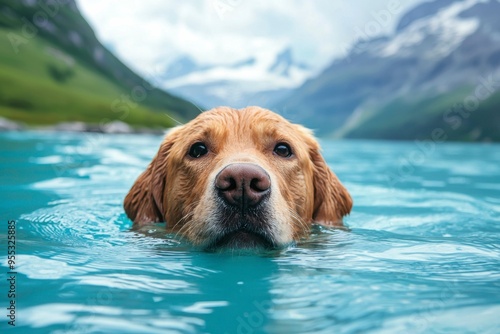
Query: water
[422,256]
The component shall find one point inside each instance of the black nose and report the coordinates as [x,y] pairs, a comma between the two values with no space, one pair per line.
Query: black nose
[243,185]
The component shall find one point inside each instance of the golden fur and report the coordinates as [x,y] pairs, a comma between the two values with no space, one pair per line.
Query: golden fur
[179,190]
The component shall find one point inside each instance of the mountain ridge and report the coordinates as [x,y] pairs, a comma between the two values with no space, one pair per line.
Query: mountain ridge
[257,80]
[386,84]
[49,45]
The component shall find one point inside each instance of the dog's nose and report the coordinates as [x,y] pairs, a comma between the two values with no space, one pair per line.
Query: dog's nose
[243,184]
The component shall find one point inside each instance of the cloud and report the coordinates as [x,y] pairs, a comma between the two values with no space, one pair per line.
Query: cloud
[147,35]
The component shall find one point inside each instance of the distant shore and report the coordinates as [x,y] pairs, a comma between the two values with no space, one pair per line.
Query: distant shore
[112,127]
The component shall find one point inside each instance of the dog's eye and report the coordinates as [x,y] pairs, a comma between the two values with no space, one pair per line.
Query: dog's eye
[283,150]
[198,150]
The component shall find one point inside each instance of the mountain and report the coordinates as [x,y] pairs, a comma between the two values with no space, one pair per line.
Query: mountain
[257,80]
[440,69]
[53,68]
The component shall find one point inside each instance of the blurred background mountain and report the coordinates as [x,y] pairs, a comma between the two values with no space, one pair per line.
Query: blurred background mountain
[53,69]
[411,70]
[259,80]
[439,70]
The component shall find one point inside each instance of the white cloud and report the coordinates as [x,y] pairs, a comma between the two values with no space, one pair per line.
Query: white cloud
[148,34]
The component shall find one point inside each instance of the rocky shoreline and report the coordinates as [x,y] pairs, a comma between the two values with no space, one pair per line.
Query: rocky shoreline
[113,127]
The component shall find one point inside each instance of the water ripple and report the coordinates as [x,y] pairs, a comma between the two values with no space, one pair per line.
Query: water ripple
[422,255]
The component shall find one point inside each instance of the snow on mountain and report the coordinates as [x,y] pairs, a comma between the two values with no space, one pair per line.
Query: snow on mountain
[444,32]
[284,63]
[238,84]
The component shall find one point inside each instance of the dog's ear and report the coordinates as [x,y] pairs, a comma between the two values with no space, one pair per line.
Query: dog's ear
[144,202]
[331,199]
[139,203]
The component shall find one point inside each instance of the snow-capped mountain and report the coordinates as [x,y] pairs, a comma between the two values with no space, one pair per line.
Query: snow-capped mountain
[258,80]
[404,85]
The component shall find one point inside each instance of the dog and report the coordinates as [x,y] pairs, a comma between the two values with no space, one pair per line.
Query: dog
[242,178]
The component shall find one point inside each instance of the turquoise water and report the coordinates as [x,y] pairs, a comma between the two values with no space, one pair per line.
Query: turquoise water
[422,256]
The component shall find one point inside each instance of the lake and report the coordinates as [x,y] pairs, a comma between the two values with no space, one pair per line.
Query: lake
[422,255]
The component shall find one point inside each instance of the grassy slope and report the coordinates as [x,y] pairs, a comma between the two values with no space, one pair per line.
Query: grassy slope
[89,88]
[416,118]
[29,93]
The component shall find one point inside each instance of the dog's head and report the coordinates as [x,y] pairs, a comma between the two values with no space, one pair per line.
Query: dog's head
[238,178]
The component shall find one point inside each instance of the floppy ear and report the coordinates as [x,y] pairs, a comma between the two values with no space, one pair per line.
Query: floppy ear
[331,199]
[139,203]
[144,202]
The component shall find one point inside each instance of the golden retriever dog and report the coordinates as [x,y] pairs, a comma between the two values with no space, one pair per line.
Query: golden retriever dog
[240,179]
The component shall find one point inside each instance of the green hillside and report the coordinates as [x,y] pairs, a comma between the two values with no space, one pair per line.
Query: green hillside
[52,76]
[417,118]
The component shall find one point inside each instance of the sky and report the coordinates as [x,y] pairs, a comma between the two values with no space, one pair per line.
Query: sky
[149,34]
